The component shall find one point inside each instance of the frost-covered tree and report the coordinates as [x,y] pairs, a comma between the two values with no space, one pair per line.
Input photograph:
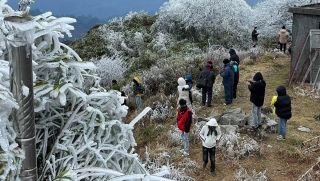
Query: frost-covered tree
[270,15]
[79,129]
[109,69]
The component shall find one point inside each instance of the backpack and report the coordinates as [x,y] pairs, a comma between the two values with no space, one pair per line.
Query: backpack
[235,68]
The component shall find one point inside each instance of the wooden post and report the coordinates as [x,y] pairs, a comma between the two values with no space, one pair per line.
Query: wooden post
[309,68]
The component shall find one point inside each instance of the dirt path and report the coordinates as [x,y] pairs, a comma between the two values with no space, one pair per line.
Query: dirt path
[282,161]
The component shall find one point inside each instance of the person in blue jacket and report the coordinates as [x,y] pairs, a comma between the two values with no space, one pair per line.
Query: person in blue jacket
[228,77]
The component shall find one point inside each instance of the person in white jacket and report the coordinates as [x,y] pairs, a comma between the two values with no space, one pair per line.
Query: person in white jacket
[183,90]
[210,134]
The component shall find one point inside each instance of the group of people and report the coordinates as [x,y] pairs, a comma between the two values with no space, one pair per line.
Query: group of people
[230,75]
[137,90]
[283,38]
[211,133]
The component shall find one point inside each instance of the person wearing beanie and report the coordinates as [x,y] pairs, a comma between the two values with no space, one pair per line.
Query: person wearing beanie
[228,80]
[257,88]
[184,121]
[283,37]
[234,61]
[210,134]
[283,111]
[205,82]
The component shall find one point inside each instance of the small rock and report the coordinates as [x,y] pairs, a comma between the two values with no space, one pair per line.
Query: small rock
[234,111]
[271,123]
[269,146]
[229,129]
[232,119]
[304,129]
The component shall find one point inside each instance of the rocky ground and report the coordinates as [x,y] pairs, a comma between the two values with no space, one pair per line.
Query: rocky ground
[249,154]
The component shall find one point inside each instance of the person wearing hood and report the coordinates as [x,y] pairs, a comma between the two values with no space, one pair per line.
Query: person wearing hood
[283,37]
[184,121]
[206,81]
[210,134]
[257,89]
[228,80]
[283,111]
[183,91]
[235,61]
[254,36]
[137,92]
[233,56]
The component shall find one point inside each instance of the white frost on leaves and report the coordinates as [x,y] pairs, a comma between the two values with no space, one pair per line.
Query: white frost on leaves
[235,146]
[109,69]
[243,175]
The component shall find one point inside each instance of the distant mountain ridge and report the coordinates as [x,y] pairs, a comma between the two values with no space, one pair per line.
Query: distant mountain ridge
[92,12]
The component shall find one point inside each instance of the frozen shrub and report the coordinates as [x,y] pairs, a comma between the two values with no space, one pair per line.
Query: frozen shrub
[235,146]
[243,175]
[109,68]
[161,111]
[154,164]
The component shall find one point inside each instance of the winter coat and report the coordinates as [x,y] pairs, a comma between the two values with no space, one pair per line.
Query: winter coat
[257,88]
[137,87]
[254,35]
[184,119]
[283,104]
[283,36]
[234,57]
[183,90]
[209,141]
[208,77]
[227,75]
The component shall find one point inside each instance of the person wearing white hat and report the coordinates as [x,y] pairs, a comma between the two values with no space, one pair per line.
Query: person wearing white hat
[210,134]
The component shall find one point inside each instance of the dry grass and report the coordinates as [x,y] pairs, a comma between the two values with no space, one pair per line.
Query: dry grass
[282,162]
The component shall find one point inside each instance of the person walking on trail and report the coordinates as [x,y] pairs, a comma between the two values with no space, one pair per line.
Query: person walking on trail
[283,37]
[184,121]
[183,91]
[254,36]
[228,80]
[257,89]
[235,61]
[283,111]
[210,134]
[206,81]
[137,92]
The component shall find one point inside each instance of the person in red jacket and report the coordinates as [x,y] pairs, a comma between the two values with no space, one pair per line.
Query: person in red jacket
[184,120]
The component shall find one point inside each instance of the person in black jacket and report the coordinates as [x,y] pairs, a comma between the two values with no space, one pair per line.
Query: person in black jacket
[283,111]
[254,36]
[234,61]
[207,79]
[257,89]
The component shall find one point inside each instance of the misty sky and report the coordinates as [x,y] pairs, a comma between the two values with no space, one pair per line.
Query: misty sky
[103,9]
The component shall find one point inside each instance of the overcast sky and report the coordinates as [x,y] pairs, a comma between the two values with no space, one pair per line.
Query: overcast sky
[103,9]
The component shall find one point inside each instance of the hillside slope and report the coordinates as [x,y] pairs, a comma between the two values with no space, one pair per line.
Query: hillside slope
[281,160]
